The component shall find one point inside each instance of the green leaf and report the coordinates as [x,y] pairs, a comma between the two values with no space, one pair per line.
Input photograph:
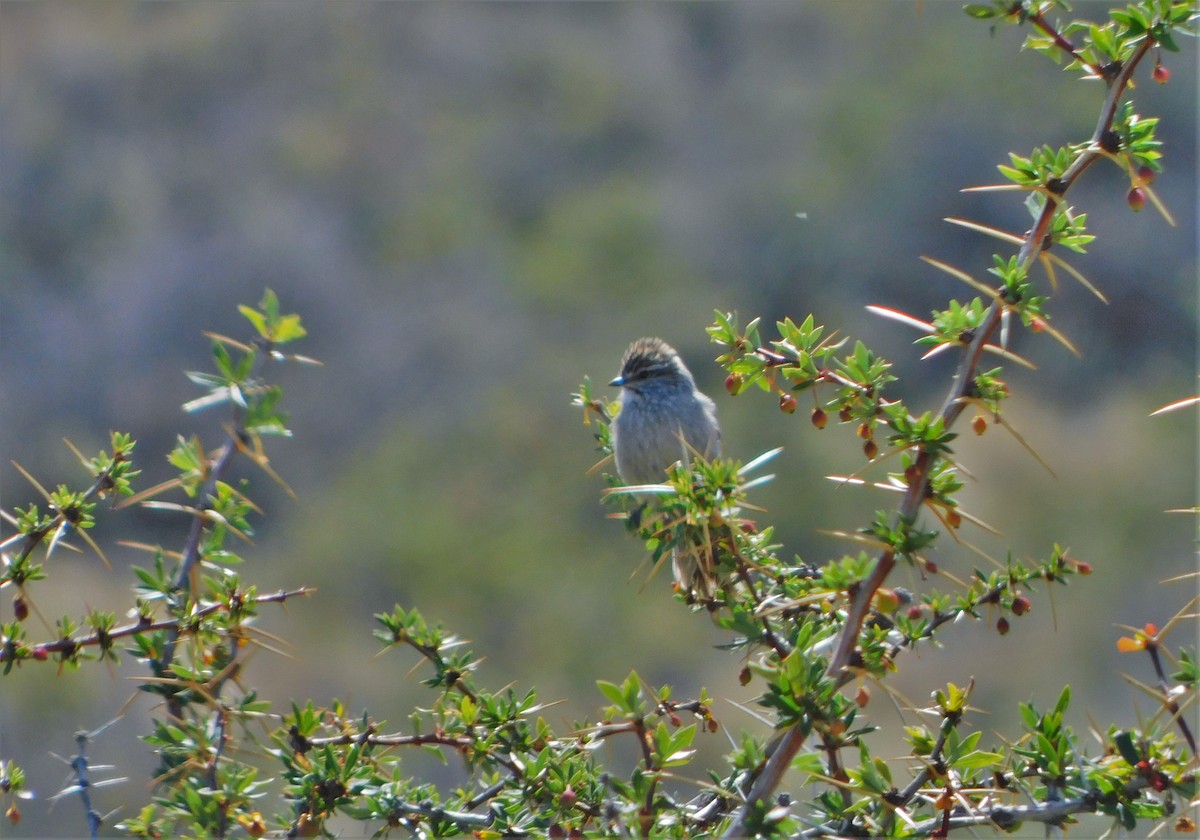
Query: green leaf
[613,692]
[254,317]
[980,11]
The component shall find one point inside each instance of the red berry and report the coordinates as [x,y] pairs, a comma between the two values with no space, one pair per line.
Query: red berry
[931,567]
[1083,567]
[1161,74]
[1145,175]
[844,414]
[711,725]
[41,654]
[1002,626]
[20,607]
[862,697]
[914,613]
[787,404]
[1136,199]
[1021,605]
[744,676]
[979,424]
[733,383]
[819,418]
[568,797]
[870,449]
[865,431]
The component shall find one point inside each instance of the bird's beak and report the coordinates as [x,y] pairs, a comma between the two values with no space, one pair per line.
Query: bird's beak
[618,382]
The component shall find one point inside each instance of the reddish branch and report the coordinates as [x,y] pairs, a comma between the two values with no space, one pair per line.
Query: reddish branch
[784,748]
[104,638]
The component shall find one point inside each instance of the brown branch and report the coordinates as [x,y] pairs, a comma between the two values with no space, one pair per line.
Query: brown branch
[142,625]
[1039,21]
[785,746]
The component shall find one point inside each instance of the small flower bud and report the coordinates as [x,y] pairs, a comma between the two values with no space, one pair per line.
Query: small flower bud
[1021,605]
[886,600]
[733,383]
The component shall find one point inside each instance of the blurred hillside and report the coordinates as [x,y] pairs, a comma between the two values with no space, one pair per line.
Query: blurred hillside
[473,206]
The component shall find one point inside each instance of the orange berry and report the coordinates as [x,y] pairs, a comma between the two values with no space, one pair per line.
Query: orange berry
[979,424]
[886,600]
[819,418]
[787,403]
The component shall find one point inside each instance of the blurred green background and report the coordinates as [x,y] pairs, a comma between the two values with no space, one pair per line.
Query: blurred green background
[473,205]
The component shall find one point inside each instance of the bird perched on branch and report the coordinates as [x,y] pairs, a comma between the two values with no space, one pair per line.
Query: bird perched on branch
[663,419]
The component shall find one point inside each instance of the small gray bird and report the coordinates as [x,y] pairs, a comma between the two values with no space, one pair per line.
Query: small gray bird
[663,418]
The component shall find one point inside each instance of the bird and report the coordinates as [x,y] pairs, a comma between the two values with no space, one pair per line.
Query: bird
[663,419]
